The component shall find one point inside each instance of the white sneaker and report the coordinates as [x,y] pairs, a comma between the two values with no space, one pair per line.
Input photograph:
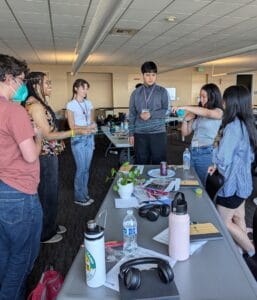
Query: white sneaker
[61,229]
[255,200]
[84,203]
[54,239]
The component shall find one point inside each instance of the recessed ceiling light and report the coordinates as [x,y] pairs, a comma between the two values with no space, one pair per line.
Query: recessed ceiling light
[124,31]
[171,18]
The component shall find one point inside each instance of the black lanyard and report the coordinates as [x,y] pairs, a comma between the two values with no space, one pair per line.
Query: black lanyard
[84,109]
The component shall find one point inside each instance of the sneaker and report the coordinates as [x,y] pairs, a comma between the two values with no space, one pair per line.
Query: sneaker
[89,199]
[255,200]
[61,229]
[84,203]
[54,239]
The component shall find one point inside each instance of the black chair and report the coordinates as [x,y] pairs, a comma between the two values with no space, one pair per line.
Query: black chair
[213,184]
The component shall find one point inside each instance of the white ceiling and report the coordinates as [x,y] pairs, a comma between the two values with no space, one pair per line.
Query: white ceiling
[53,31]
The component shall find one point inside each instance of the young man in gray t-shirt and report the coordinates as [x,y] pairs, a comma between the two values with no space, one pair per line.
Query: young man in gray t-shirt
[147,109]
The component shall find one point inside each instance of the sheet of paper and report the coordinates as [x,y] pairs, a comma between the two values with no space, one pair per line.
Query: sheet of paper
[126,203]
[163,237]
[112,281]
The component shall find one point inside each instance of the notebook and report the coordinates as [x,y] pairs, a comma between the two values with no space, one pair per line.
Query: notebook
[204,231]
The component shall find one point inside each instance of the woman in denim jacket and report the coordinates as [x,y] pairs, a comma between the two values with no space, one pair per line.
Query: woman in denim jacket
[233,158]
[204,120]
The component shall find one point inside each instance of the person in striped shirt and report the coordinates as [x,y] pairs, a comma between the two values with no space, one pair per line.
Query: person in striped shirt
[233,158]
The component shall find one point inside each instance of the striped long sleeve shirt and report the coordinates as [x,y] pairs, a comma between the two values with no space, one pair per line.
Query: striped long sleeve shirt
[233,158]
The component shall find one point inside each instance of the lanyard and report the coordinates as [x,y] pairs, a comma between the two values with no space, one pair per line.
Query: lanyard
[84,109]
[147,99]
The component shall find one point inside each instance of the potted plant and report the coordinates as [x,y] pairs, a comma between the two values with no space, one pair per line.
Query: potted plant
[126,180]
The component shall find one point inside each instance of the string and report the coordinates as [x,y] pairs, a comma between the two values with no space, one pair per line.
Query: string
[148,98]
[85,111]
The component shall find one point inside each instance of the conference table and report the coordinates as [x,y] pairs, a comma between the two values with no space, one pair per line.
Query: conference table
[117,139]
[215,271]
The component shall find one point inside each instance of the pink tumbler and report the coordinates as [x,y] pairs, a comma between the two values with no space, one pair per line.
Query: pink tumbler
[179,228]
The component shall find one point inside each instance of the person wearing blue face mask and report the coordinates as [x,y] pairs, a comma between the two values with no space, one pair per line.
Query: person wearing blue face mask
[20,209]
[21,94]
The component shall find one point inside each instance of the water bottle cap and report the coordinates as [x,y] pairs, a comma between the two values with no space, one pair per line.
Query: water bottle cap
[91,224]
[179,204]
[130,212]
[93,231]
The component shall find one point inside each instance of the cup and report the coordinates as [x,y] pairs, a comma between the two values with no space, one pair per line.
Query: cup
[181,112]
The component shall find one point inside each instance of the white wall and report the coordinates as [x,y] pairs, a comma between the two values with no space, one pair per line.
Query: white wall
[119,82]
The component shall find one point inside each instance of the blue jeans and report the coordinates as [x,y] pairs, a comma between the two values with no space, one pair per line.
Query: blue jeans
[48,194]
[20,229]
[82,149]
[201,159]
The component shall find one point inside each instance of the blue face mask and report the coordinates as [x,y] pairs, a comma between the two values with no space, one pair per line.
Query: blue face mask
[21,94]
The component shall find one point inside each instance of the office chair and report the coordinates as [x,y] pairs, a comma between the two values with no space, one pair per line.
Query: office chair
[213,184]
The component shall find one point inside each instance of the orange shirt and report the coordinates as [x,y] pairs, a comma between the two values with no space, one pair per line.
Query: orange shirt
[15,127]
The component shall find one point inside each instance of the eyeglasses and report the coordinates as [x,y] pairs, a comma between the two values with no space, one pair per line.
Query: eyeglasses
[48,82]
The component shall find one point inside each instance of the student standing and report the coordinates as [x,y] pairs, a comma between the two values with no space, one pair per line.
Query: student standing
[20,209]
[204,120]
[43,117]
[233,158]
[147,110]
[79,112]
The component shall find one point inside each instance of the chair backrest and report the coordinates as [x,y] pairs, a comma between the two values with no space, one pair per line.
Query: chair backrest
[213,184]
[255,229]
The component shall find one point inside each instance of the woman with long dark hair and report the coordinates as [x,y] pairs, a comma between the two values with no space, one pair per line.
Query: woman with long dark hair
[43,117]
[233,158]
[80,115]
[204,120]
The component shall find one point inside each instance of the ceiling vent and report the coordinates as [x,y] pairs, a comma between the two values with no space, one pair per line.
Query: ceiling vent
[123,31]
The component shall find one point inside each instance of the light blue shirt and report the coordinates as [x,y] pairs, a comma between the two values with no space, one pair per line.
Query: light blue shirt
[205,131]
[81,111]
[233,158]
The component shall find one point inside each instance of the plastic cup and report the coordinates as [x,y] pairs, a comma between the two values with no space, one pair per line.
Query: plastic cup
[180,112]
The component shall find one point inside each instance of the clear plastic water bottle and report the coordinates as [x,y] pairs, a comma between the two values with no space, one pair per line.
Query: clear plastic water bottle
[186,159]
[129,234]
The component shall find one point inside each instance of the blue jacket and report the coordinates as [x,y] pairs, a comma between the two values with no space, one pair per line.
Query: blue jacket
[233,158]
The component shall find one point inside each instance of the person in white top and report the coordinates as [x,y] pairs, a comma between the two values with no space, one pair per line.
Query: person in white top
[79,113]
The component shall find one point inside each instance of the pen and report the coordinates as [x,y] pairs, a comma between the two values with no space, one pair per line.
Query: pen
[113,244]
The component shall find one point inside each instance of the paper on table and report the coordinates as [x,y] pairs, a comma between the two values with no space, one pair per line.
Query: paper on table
[163,237]
[112,281]
[126,203]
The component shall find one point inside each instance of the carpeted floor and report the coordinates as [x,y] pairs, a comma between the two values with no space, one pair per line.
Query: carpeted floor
[74,217]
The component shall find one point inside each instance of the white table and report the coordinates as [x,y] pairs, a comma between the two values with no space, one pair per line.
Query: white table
[115,141]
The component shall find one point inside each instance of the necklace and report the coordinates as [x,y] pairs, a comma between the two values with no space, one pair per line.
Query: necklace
[84,109]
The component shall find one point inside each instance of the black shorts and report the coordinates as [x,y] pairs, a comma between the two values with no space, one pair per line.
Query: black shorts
[230,202]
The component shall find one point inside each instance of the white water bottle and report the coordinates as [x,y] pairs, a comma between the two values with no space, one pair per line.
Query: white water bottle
[179,228]
[94,254]
[129,234]
[186,159]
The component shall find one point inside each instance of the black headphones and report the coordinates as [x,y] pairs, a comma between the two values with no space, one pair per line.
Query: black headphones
[132,278]
[153,211]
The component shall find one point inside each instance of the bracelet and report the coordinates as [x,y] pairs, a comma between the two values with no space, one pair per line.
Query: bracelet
[72,133]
